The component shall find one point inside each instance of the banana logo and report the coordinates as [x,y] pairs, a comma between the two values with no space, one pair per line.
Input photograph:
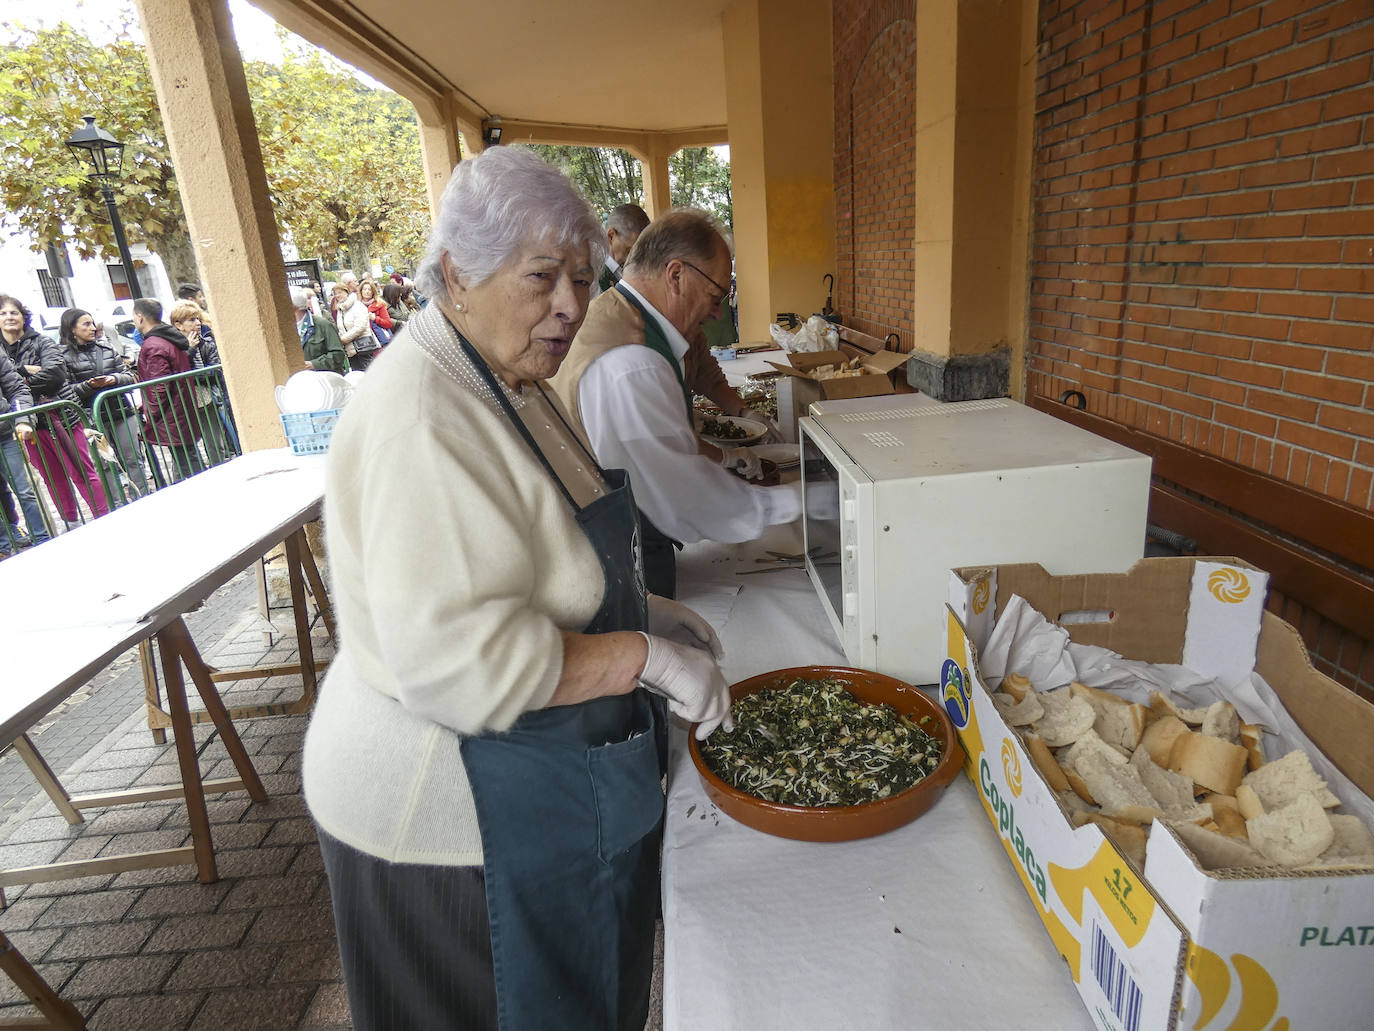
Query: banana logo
[1229,586]
[981,594]
[1259,996]
[1011,767]
[954,693]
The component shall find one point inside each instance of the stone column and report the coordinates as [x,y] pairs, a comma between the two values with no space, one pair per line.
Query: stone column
[975,66]
[653,161]
[779,99]
[199,79]
[438,149]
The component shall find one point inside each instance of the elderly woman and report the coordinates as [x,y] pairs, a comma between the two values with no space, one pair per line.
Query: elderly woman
[354,323]
[484,765]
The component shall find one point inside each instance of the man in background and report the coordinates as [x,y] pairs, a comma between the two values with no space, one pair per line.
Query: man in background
[623,226]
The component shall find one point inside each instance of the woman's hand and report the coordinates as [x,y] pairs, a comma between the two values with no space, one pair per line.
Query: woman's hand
[33,370]
[691,681]
[100,382]
[23,431]
[678,623]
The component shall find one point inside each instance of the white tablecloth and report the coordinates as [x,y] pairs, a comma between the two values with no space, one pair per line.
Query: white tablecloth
[924,927]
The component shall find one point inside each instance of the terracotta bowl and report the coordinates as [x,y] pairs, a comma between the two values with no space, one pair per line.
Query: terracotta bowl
[846,822]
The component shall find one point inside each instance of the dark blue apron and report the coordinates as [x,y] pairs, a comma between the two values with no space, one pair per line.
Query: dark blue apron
[570,806]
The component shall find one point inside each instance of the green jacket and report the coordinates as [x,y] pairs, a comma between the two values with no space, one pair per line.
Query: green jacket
[323,348]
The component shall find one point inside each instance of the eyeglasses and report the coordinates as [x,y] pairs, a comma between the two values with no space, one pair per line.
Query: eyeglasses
[723,292]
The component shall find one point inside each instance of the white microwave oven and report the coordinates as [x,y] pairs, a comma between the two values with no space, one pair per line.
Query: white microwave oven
[900,489]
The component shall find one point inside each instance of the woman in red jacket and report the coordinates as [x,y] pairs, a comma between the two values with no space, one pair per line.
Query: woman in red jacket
[376,309]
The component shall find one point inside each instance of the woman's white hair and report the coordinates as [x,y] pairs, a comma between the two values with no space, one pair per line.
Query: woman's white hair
[494,203]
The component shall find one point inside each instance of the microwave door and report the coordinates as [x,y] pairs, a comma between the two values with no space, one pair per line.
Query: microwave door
[821,529]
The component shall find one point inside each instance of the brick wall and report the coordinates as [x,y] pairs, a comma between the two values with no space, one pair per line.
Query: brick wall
[1203,243]
[875,164]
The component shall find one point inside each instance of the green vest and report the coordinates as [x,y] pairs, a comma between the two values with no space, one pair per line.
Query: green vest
[656,341]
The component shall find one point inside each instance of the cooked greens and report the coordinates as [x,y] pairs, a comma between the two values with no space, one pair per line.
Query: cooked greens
[813,743]
[721,429]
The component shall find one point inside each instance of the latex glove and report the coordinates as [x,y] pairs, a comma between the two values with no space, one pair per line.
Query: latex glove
[774,431]
[823,503]
[678,623]
[691,681]
[744,460]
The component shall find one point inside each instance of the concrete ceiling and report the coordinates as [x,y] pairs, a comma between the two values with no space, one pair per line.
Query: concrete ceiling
[639,65]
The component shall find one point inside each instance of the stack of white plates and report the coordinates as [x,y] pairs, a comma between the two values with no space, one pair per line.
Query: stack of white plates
[311,391]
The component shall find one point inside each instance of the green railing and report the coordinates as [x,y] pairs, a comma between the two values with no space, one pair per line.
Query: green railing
[88,463]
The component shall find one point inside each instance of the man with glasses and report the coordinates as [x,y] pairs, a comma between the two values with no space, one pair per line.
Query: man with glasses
[623,382]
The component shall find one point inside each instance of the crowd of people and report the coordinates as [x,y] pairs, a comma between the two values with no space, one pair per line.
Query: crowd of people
[156,435]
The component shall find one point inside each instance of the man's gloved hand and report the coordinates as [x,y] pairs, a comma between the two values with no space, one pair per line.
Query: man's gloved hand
[823,504]
[691,681]
[679,624]
[774,432]
[744,460]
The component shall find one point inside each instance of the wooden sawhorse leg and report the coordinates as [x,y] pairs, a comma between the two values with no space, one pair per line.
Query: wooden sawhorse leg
[47,780]
[177,648]
[56,1013]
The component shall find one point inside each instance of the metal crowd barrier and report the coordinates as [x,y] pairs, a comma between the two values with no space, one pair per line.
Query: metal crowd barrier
[123,458]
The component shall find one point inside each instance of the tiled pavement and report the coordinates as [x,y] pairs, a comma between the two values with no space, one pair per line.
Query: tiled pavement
[155,950]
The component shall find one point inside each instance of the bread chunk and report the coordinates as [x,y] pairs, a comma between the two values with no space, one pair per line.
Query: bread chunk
[1017,685]
[1210,761]
[1019,713]
[1118,788]
[1221,721]
[1159,738]
[1044,762]
[1286,779]
[1215,851]
[1066,718]
[1293,835]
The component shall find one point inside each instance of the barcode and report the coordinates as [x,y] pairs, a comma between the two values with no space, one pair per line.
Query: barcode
[1119,987]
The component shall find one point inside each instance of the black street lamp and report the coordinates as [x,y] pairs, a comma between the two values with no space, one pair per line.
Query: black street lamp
[105,154]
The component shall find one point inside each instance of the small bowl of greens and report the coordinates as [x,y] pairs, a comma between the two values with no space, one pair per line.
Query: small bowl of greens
[828,753]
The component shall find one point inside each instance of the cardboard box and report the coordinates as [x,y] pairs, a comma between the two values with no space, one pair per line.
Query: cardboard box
[1178,948]
[799,386]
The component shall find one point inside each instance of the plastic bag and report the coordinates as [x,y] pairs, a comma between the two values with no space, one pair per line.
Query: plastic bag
[815,335]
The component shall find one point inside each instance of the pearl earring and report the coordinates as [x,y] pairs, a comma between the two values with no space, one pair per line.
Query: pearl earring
[459,307]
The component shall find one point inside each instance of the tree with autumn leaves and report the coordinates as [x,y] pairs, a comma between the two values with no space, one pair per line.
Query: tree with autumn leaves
[342,159]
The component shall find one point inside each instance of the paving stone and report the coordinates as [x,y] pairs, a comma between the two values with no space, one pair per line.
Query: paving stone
[31,853]
[201,931]
[33,945]
[287,744]
[126,820]
[88,908]
[220,809]
[266,892]
[329,1008]
[123,758]
[22,914]
[180,899]
[93,941]
[47,828]
[293,830]
[278,806]
[239,835]
[87,846]
[92,781]
[55,889]
[119,975]
[256,862]
[224,968]
[314,963]
[145,1013]
[277,725]
[260,1009]
[56,974]
[308,860]
[155,875]
[146,841]
[292,924]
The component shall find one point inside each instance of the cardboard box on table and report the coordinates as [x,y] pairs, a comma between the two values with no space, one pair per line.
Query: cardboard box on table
[1179,948]
[799,386]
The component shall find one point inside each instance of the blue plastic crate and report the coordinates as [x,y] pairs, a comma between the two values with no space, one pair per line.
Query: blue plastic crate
[308,433]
